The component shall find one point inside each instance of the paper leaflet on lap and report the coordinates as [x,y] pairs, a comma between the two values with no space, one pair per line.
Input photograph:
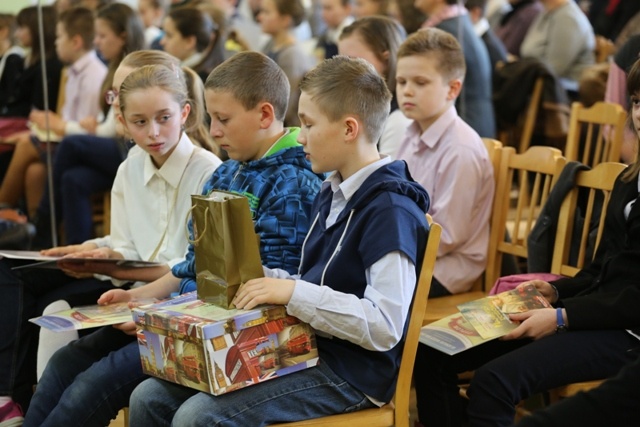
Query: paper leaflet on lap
[226,247]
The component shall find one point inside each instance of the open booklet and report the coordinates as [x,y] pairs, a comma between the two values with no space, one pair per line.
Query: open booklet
[42,261]
[93,316]
[481,320]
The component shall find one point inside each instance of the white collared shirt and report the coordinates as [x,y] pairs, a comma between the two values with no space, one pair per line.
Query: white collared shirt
[142,201]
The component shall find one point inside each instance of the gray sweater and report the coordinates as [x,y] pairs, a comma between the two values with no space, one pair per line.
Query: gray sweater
[563,38]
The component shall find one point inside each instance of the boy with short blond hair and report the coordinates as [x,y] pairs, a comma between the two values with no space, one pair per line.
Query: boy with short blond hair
[357,298]
[446,156]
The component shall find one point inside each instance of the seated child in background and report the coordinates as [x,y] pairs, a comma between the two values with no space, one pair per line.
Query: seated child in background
[591,334]
[357,298]
[336,14]
[446,156]
[246,98]
[377,39]
[85,73]
[11,58]
[278,19]
[151,13]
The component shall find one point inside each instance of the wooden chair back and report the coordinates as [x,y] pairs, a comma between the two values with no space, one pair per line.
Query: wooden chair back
[528,177]
[599,128]
[597,180]
[523,130]
[396,413]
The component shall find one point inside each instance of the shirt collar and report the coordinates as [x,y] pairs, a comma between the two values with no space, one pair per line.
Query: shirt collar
[355,181]
[171,171]
[83,62]
[430,137]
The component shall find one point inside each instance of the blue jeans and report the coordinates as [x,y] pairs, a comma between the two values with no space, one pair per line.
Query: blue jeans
[507,372]
[88,381]
[24,294]
[83,165]
[310,393]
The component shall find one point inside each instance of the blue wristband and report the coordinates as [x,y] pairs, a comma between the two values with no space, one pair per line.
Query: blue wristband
[560,326]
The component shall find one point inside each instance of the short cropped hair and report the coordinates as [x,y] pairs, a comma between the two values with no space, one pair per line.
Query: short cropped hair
[252,77]
[440,45]
[342,86]
[78,21]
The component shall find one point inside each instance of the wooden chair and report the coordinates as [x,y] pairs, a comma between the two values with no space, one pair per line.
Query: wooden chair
[445,306]
[397,412]
[601,127]
[599,179]
[523,130]
[536,171]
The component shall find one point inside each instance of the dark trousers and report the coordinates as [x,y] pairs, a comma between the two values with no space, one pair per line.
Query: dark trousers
[508,371]
[23,296]
[83,165]
[614,403]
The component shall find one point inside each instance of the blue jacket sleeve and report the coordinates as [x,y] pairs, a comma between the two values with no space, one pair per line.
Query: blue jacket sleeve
[283,220]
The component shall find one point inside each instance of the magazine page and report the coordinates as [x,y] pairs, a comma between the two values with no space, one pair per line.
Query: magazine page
[451,335]
[481,320]
[42,261]
[25,255]
[490,316]
[91,316]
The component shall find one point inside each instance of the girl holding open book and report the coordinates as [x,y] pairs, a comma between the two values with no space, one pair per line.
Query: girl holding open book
[150,199]
[590,334]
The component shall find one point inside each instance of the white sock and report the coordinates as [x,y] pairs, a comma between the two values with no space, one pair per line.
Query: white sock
[4,400]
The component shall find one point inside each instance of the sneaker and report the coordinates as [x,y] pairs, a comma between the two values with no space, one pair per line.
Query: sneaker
[11,415]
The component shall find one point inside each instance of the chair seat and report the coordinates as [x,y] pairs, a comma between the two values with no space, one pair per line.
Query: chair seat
[439,308]
[376,417]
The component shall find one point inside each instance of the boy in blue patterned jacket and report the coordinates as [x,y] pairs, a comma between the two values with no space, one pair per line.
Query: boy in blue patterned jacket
[356,280]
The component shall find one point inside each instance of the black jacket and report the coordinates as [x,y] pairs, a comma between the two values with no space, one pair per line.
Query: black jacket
[606,294]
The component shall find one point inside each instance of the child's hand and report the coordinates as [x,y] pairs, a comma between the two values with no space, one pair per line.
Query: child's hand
[264,291]
[114,295]
[56,124]
[543,287]
[128,328]
[90,124]
[70,249]
[534,324]
[73,268]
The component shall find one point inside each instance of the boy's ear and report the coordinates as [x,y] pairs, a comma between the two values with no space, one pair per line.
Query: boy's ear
[77,41]
[351,129]
[267,115]
[191,42]
[455,86]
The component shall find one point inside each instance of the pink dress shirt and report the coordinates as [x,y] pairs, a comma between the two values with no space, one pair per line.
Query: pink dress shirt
[450,161]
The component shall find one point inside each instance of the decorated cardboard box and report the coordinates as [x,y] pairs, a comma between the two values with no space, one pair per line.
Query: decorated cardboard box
[208,348]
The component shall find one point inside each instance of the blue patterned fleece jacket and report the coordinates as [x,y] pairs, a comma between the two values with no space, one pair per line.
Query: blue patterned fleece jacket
[281,188]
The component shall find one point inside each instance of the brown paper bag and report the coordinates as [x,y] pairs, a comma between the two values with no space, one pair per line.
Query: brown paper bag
[226,247]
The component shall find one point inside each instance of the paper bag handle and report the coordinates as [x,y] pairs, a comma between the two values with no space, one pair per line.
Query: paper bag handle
[186,228]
